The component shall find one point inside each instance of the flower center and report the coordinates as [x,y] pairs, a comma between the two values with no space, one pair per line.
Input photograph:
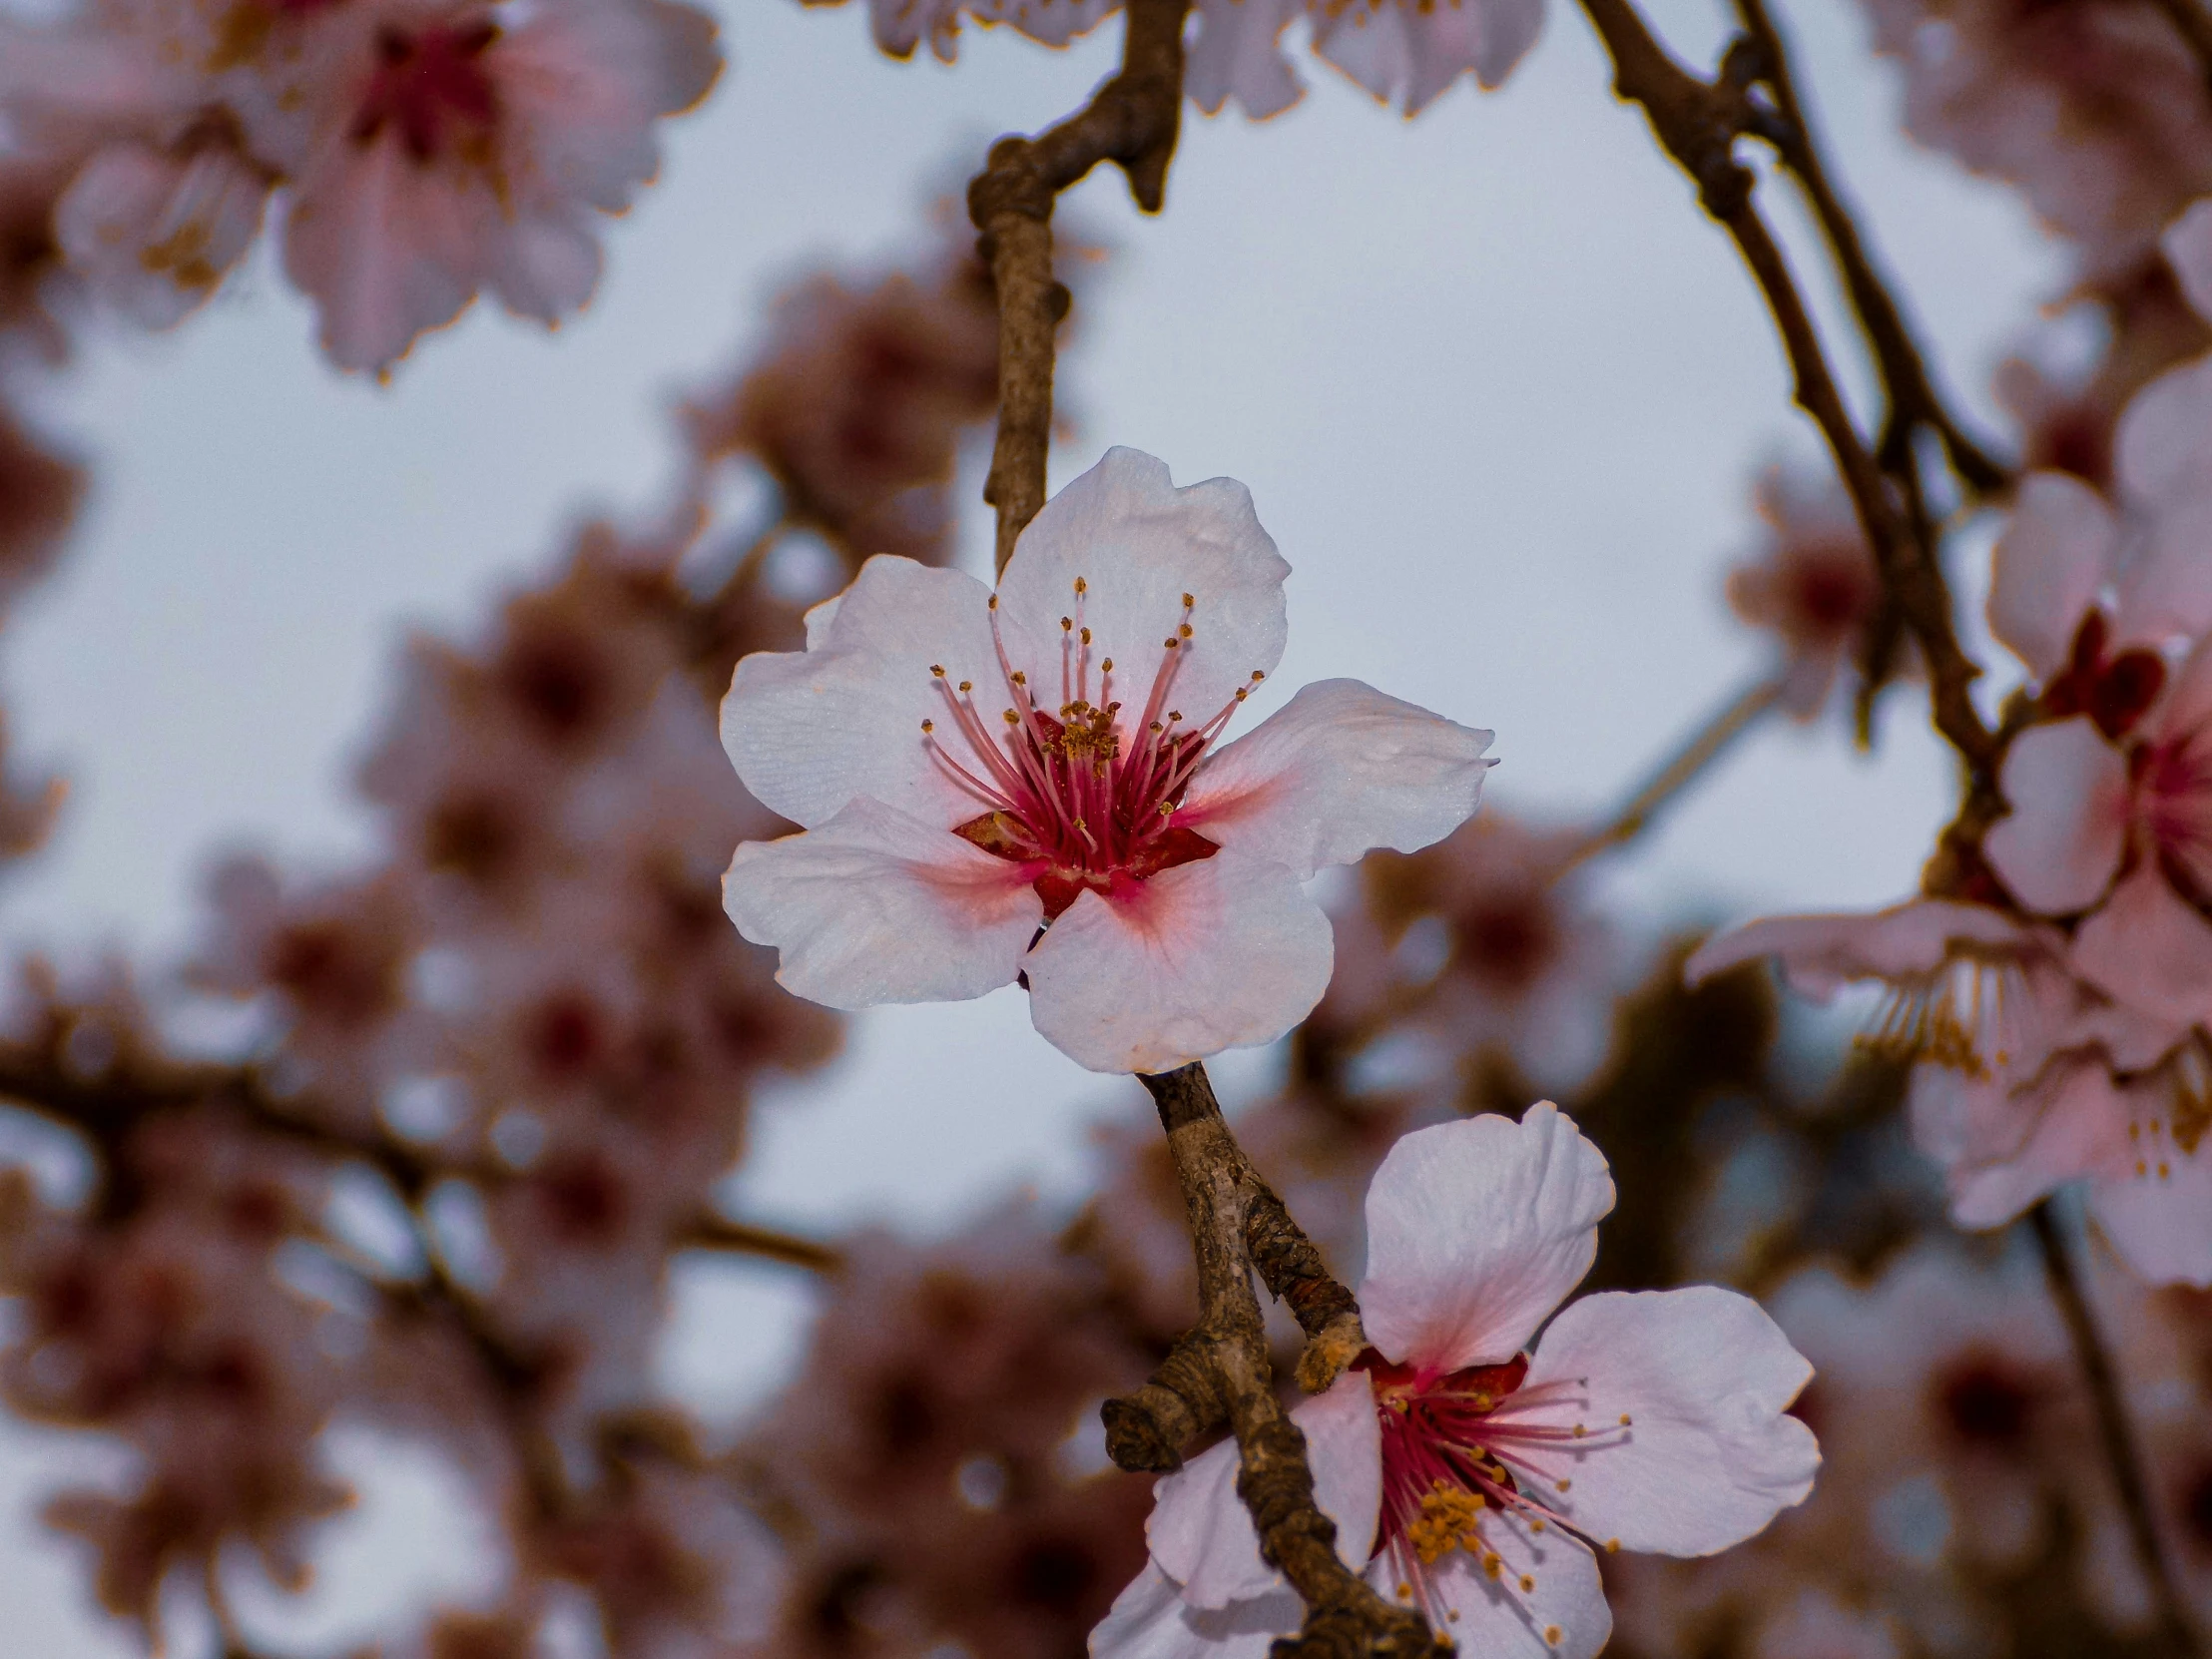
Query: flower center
[1462,1451]
[431,88]
[1966,1016]
[1086,793]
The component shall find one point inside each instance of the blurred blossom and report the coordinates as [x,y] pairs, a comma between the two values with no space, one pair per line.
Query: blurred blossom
[1813,586]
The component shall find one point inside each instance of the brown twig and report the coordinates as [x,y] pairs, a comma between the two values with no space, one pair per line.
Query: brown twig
[1220,1373]
[744,1239]
[2194,25]
[1705,746]
[1132,120]
[2121,1452]
[1697,121]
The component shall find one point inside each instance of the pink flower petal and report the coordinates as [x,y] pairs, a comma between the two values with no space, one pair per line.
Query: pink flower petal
[1819,955]
[1238,52]
[1704,1379]
[2148,947]
[544,266]
[1562,1616]
[1418,48]
[1475,1231]
[1139,545]
[809,731]
[2187,244]
[154,234]
[874,907]
[1222,953]
[1151,1620]
[2164,446]
[1202,1535]
[2167,589]
[2060,845]
[1336,772]
[2157,1208]
[2055,553]
[2003,1146]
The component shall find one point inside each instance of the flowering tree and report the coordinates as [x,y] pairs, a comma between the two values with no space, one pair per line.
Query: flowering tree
[1311,1379]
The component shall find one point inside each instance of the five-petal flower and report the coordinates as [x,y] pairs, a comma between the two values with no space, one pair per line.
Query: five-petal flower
[1006,785]
[1469,1476]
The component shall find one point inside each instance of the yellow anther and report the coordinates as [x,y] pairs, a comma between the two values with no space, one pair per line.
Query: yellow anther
[1107,666]
[1447,1523]
[968,685]
[1535,1526]
[1405,1592]
[1182,631]
[1452,1613]
[1527,1583]
[1493,1565]
[1626,1420]
[1564,1485]
[1067,625]
[2164,1170]
[1579,1432]
[1612,1546]
[1082,585]
[1257,675]
[2141,1168]
[1021,679]
[994,604]
[937,668]
[1187,602]
[1086,636]
[928,726]
[1170,642]
[1011,718]
[1551,1634]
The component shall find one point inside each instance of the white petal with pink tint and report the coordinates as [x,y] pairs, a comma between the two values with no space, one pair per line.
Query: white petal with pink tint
[2147,947]
[1202,1535]
[1562,1616]
[1703,1380]
[2163,455]
[810,730]
[874,907]
[1238,52]
[2158,1209]
[2012,1145]
[2058,848]
[2187,244]
[1475,1231]
[1339,770]
[1416,49]
[1139,545]
[544,268]
[1151,1620]
[2057,551]
[1819,955]
[154,234]
[1222,953]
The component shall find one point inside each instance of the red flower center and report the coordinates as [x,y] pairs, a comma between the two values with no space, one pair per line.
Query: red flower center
[431,88]
[1086,795]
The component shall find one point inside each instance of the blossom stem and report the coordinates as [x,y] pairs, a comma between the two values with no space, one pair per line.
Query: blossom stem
[1132,120]
[1219,1371]
[1698,121]
[1688,764]
[2117,1433]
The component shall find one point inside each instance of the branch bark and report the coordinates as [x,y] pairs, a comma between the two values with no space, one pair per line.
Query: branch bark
[1219,1372]
[1697,121]
[1132,120]
[2121,1453]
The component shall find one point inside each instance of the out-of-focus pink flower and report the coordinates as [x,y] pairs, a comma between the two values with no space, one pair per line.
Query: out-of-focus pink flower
[2096,112]
[462,153]
[903,25]
[1814,585]
[1471,1478]
[967,772]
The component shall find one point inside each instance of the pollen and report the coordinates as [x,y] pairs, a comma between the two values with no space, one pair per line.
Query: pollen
[1011,718]
[1084,636]
[937,668]
[1551,1634]
[967,686]
[1627,1422]
[1612,1546]
[1564,1485]
[1579,1432]
[1082,586]
[1188,603]
[1182,631]
[1527,1583]
[1447,1523]
[1067,625]
[928,726]
[1170,642]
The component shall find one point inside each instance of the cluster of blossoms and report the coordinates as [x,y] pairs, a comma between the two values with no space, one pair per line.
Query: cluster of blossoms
[424,153]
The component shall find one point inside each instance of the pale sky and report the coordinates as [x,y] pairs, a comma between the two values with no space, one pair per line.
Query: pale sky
[1497,387]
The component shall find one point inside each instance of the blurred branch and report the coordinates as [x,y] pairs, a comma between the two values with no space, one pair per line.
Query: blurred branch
[743,1238]
[1698,121]
[2121,1452]
[2195,26]
[1706,745]
[1132,120]
[1219,1372]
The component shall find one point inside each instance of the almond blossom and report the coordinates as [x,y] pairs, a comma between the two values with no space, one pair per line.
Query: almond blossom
[983,797]
[1814,585]
[1473,1476]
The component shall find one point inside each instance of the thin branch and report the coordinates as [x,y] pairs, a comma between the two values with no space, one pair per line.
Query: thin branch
[743,1238]
[1132,120]
[1219,1371]
[1697,121]
[2121,1452]
[1914,403]
[1707,744]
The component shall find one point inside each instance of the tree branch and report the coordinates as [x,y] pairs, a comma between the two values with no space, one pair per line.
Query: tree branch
[2121,1452]
[1220,1373]
[1697,121]
[1132,120]
[1705,746]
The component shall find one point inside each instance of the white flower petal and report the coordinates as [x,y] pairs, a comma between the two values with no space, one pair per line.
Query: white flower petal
[1151,1620]
[874,907]
[2148,947]
[1336,772]
[2059,846]
[1139,545]
[2158,1213]
[1704,1376]
[2162,447]
[1475,1231]
[1819,955]
[154,234]
[811,730]
[1238,52]
[1202,1535]
[1562,1615]
[2004,1147]
[2054,555]
[2187,244]
[1221,954]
